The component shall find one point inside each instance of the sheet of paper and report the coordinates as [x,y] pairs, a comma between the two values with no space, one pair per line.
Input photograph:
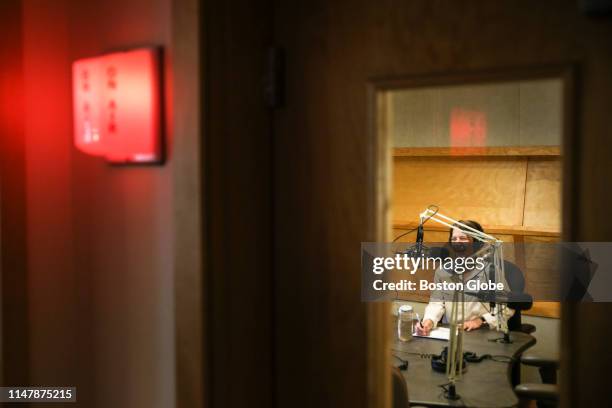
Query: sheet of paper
[439,333]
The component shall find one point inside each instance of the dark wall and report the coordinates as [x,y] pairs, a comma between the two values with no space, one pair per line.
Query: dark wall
[13,256]
[238,158]
[52,278]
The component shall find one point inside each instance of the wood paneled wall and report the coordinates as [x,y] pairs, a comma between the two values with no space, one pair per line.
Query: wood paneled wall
[514,193]
[517,199]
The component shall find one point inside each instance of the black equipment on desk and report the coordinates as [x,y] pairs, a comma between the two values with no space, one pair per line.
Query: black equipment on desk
[418,249]
[438,362]
[404,363]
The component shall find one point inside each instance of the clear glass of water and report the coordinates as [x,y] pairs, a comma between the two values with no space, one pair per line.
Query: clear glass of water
[404,323]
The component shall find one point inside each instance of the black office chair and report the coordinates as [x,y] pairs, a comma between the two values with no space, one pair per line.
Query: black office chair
[516,282]
[546,394]
[400,389]
[524,301]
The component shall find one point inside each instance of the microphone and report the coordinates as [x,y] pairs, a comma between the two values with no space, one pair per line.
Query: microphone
[419,240]
[418,249]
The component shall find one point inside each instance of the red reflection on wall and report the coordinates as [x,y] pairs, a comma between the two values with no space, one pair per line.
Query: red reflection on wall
[116,107]
[468,128]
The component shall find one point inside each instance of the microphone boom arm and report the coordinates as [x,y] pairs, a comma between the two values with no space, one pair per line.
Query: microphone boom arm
[454,366]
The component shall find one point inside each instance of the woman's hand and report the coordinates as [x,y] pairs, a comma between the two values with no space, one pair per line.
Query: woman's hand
[424,328]
[472,324]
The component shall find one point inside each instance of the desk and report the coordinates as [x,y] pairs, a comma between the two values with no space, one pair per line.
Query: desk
[484,384]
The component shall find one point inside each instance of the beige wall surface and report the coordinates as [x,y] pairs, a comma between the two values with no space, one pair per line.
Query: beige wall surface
[516,113]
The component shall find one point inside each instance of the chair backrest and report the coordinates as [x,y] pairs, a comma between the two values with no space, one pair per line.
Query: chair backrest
[514,277]
[400,389]
[516,281]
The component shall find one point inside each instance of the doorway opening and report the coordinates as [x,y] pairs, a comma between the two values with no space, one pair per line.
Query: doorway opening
[489,147]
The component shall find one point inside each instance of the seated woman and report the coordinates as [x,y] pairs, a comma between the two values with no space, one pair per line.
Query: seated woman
[477,313]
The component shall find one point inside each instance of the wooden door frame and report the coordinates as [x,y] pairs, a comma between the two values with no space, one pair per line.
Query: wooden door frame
[220,164]
[380,202]
[186,159]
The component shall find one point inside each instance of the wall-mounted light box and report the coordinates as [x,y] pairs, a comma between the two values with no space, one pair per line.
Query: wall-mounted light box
[117,106]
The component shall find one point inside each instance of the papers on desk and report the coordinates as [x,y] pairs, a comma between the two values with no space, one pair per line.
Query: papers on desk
[439,333]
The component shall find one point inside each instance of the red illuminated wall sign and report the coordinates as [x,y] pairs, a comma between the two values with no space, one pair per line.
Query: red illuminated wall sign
[117,112]
[468,128]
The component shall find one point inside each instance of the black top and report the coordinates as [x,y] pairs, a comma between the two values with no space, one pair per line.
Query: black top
[484,384]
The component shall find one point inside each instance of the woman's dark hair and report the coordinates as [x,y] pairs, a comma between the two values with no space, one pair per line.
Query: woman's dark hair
[470,223]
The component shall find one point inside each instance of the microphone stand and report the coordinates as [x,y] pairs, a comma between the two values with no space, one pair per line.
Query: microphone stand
[454,365]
